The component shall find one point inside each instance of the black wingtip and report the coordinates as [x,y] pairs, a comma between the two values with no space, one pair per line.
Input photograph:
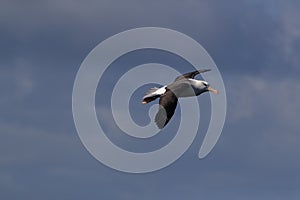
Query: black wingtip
[204,70]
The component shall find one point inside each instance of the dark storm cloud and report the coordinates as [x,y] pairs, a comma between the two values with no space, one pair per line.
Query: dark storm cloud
[71,28]
[255,44]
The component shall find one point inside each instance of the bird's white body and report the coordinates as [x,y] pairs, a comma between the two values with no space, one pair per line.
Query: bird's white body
[188,87]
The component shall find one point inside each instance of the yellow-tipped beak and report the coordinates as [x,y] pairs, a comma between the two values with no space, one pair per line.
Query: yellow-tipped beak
[213,90]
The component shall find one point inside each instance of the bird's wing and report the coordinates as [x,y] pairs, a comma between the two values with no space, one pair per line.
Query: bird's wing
[191,74]
[167,106]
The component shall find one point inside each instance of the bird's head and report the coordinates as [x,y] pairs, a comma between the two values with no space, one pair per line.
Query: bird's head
[205,85]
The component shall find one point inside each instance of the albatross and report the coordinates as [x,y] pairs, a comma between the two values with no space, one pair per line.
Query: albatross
[183,86]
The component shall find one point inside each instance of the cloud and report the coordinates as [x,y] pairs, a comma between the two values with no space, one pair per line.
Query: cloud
[263,115]
[29,146]
[277,96]
[289,36]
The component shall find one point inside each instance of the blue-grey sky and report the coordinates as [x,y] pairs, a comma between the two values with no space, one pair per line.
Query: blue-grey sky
[255,45]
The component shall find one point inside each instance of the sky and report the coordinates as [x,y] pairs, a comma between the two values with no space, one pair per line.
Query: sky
[255,45]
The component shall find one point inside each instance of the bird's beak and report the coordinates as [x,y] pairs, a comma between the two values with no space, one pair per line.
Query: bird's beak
[213,90]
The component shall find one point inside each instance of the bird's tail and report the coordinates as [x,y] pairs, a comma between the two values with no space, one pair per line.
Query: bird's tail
[152,94]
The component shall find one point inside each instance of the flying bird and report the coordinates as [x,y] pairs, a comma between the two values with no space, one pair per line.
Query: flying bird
[183,86]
